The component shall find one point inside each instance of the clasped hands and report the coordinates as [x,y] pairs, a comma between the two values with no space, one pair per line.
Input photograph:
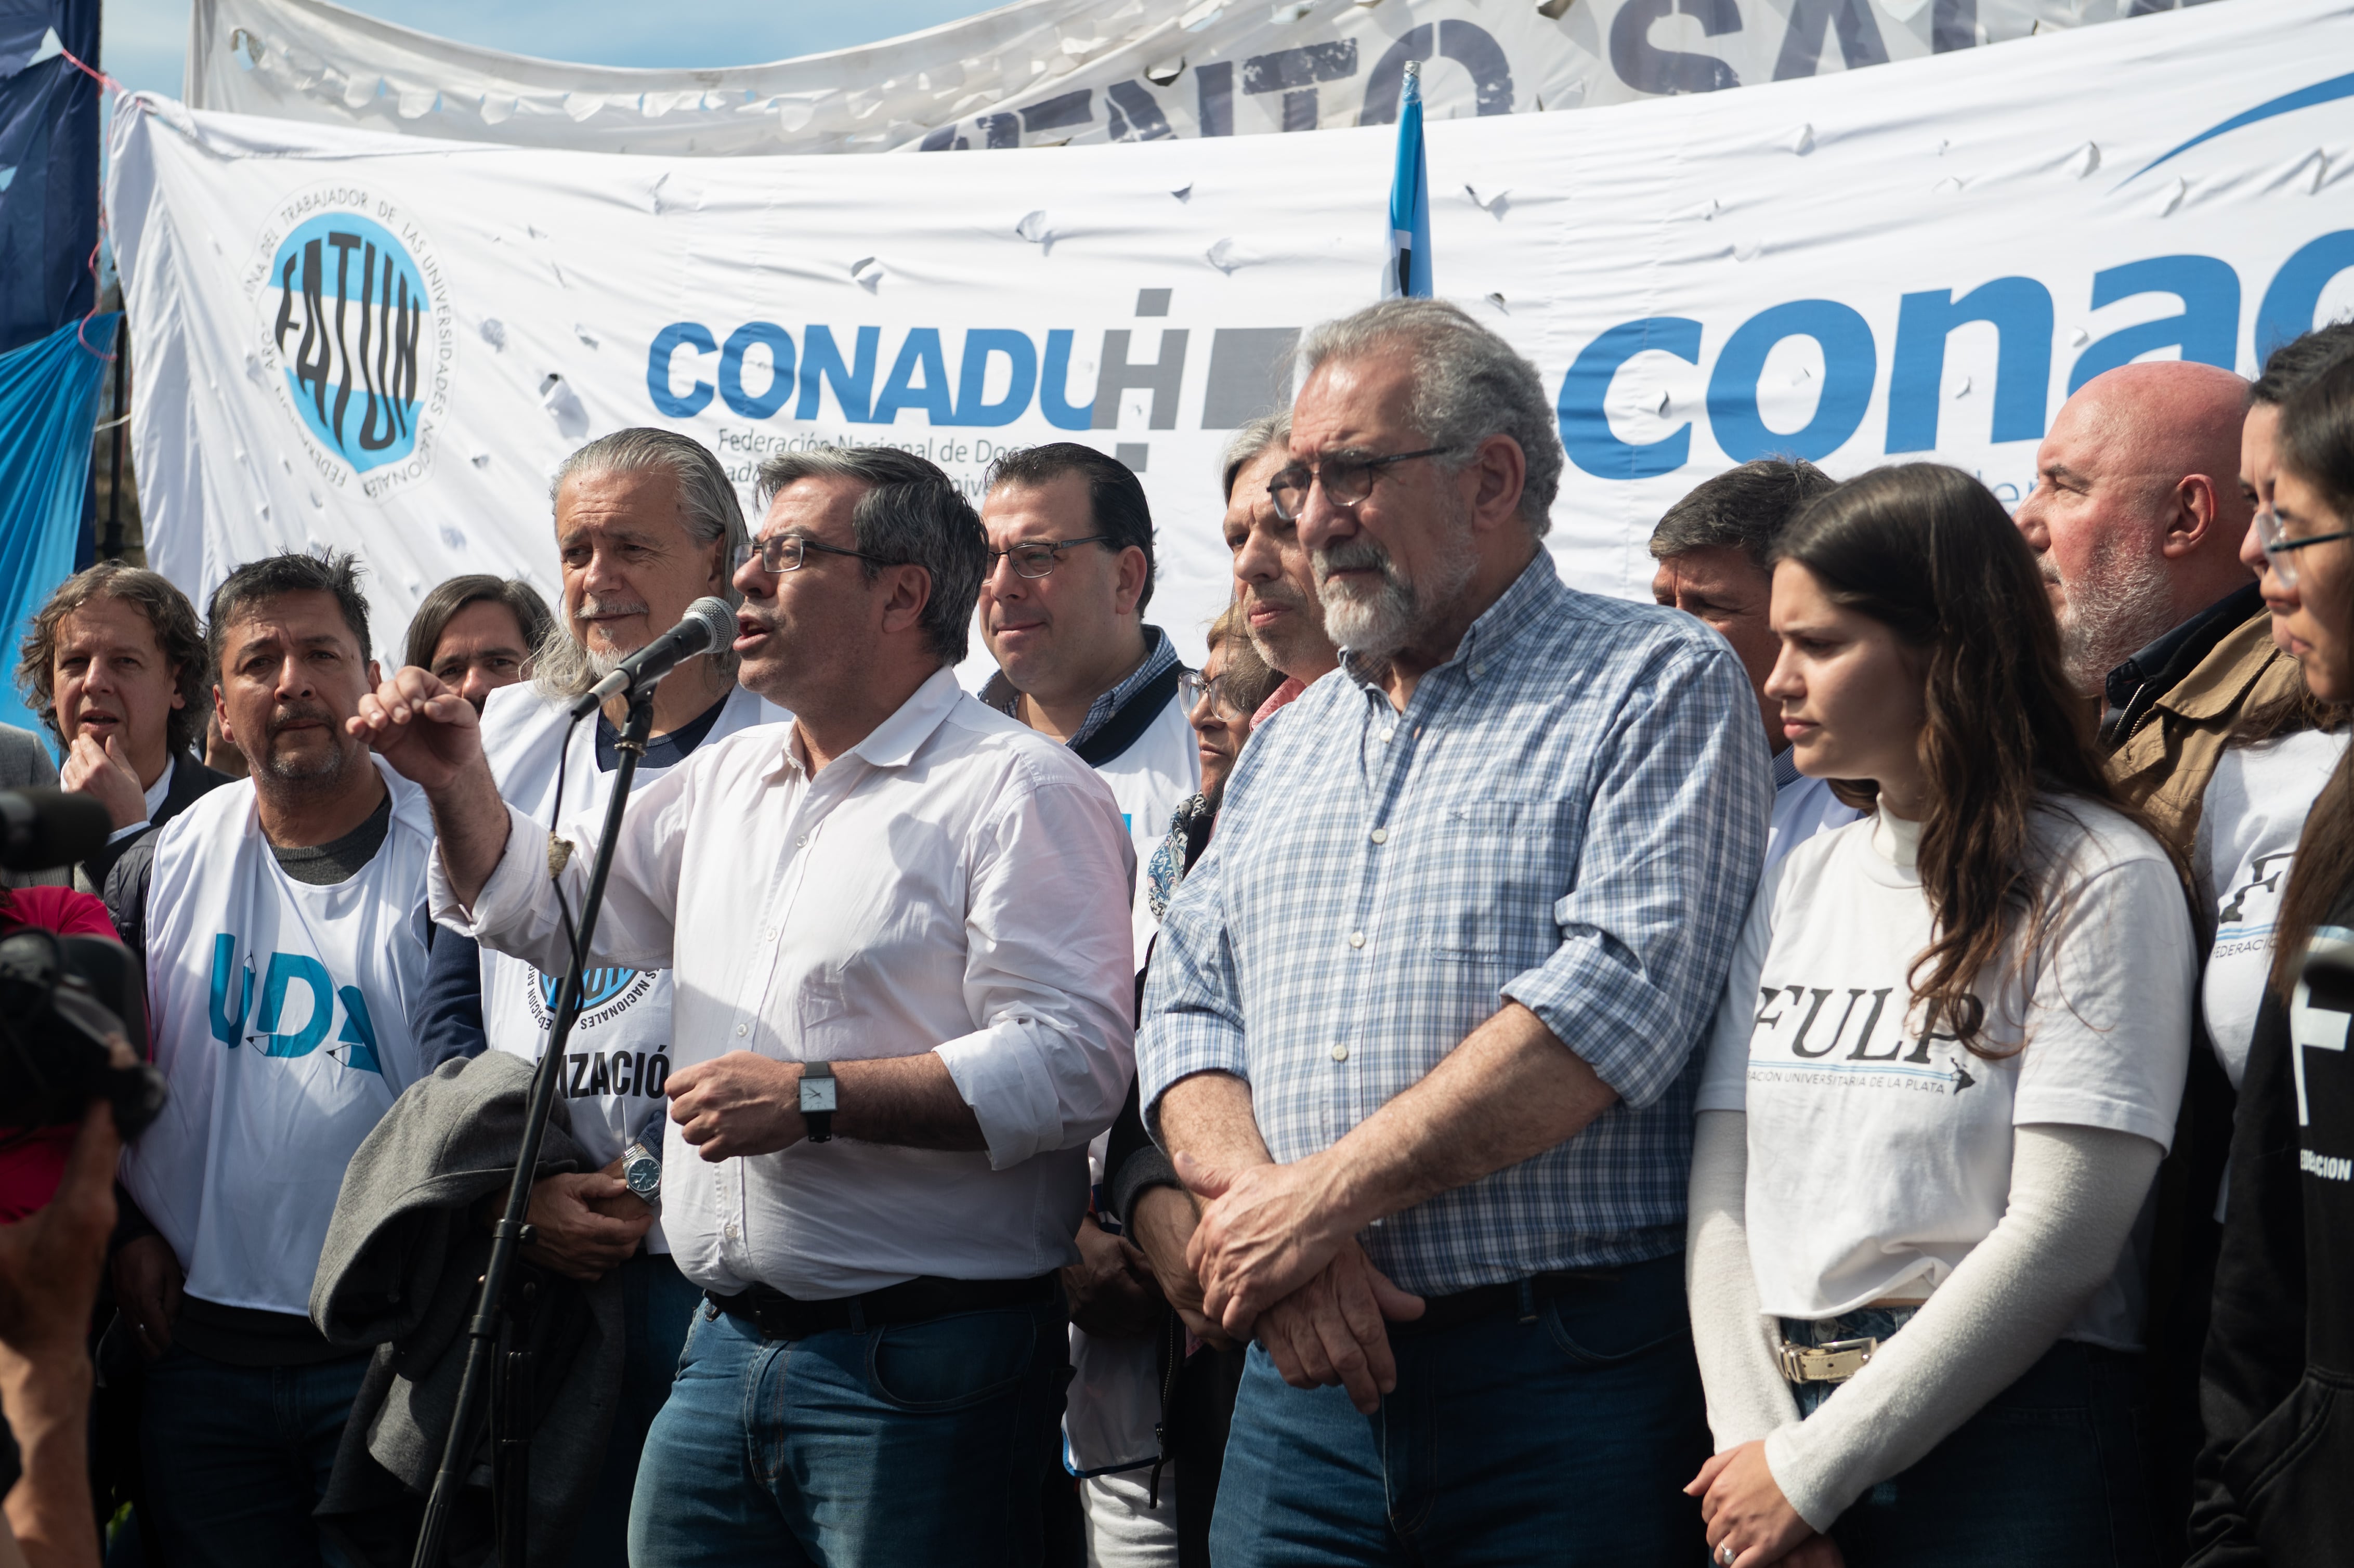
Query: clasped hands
[1278,1259]
[1745,1510]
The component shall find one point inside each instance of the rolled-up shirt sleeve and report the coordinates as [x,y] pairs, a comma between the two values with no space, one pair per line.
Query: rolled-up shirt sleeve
[1192,1017]
[1049,971]
[1673,841]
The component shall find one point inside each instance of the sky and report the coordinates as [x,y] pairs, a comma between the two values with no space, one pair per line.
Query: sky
[144,45]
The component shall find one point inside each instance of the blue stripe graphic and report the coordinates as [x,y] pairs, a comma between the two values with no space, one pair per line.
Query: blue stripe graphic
[2328,91]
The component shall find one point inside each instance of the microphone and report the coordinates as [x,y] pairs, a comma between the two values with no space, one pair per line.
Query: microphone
[40,829]
[708,626]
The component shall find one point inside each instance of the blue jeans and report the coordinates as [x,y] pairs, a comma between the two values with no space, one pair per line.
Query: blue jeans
[2047,1475]
[658,1305]
[1563,1440]
[237,1457]
[907,1446]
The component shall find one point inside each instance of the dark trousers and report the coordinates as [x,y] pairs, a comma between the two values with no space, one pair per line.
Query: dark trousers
[658,1307]
[1565,1437]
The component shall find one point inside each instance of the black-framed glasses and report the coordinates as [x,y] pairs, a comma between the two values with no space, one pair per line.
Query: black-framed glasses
[2280,549]
[782,553]
[1192,687]
[1038,557]
[1347,478]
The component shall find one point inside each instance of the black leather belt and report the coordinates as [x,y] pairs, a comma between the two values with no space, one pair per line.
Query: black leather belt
[781,1317]
[1518,1299]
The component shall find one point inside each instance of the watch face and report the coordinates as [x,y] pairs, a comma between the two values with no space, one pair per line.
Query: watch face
[643,1176]
[817,1095]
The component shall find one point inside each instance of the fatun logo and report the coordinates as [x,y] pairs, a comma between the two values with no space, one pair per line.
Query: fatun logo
[351,313]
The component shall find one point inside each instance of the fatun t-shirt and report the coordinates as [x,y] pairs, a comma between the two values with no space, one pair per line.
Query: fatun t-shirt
[1879,1153]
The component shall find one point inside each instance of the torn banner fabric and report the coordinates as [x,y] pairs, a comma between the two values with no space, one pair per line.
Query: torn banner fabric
[385,343]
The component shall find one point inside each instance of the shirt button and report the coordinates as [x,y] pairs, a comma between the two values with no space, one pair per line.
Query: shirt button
[1479,669]
[1340,1052]
[731,1233]
[801,840]
[1381,835]
[1356,939]
[742,1028]
[1387,732]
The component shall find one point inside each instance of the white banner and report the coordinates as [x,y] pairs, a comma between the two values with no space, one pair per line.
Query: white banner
[1045,72]
[384,344]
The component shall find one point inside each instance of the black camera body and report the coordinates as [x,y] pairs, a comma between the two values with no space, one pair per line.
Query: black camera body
[73,1018]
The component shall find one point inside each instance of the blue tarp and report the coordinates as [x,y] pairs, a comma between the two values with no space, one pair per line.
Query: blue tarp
[48,168]
[48,412]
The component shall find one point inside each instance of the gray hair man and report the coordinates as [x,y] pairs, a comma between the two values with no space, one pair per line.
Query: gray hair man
[1273,578]
[1716,549]
[646,522]
[2137,518]
[1513,791]
[903,987]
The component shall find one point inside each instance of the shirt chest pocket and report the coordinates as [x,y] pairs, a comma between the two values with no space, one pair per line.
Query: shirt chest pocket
[1482,876]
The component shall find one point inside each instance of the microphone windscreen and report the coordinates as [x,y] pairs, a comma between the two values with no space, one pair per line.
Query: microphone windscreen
[43,829]
[719,616]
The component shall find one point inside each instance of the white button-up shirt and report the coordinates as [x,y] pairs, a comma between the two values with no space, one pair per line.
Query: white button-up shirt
[955,884]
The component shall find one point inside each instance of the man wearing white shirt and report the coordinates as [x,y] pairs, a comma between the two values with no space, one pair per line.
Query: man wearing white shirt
[903,985]
[1715,548]
[282,920]
[115,663]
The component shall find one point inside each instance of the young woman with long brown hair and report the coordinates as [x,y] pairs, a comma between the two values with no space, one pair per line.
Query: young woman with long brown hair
[1947,1067]
[2274,1390]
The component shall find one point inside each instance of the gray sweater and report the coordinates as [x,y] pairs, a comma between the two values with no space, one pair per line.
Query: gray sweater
[399,1272]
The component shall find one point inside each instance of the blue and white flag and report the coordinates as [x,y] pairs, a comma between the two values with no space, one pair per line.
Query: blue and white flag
[1409,273]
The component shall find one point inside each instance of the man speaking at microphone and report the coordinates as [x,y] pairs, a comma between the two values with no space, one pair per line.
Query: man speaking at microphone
[647,524]
[898,935]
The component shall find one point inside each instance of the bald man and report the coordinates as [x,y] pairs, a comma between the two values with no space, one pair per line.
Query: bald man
[2137,518]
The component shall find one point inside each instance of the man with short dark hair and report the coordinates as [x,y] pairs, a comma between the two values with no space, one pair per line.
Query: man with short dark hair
[282,919]
[478,633]
[1273,578]
[1062,611]
[115,665]
[897,929]
[1714,547]
[1419,1024]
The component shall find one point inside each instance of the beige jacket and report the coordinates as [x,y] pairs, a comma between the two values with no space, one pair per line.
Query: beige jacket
[2163,765]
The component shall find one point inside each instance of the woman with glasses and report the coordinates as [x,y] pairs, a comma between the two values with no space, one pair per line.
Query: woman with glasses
[2272,1485]
[1945,1068]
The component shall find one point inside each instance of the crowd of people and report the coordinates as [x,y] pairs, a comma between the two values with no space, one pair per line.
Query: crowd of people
[1845,1065]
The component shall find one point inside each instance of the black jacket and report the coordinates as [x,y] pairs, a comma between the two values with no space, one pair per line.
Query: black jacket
[2275,1483]
[191,781]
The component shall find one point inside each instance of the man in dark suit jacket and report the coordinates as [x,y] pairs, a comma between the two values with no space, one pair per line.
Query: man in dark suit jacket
[115,664]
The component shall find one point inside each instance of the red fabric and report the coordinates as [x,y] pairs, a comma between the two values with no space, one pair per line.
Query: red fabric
[1281,697]
[30,1169]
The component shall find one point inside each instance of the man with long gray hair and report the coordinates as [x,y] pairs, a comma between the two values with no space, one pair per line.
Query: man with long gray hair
[1418,1027]
[904,987]
[646,522]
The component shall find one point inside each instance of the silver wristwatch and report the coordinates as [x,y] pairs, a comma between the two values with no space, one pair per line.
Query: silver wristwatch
[642,1170]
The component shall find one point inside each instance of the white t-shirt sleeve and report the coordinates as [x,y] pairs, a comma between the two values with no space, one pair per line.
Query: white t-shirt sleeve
[2109,1032]
[1724,1081]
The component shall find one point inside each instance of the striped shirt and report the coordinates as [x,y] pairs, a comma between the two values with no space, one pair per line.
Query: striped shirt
[1570,813]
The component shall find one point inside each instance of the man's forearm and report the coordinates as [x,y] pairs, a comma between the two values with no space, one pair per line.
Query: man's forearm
[907,1100]
[49,1508]
[470,822]
[1511,1090]
[1209,1116]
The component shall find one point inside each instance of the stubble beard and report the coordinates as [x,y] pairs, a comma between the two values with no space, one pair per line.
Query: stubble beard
[2123,603]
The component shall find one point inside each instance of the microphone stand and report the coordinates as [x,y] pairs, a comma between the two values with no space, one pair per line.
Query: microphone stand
[494,1330]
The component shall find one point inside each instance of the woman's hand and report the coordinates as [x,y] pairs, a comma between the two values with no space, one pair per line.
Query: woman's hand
[1746,1511]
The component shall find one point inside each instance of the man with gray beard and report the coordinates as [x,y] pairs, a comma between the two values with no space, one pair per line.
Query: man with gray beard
[646,522]
[1417,1029]
[2137,520]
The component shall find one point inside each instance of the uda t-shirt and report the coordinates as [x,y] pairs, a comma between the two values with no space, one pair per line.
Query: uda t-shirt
[280,1013]
[2254,813]
[1880,1154]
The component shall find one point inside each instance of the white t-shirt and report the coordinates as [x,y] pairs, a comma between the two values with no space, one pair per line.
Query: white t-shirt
[1803,807]
[617,1056]
[2248,828]
[280,1013]
[1878,1157]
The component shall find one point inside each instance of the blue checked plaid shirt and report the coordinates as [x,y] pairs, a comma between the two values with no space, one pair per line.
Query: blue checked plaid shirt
[1570,815]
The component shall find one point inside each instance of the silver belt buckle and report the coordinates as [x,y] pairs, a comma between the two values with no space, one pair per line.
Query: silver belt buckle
[1835,1362]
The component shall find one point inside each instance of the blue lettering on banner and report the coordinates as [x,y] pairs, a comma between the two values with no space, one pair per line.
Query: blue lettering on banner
[683,382]
[281,976]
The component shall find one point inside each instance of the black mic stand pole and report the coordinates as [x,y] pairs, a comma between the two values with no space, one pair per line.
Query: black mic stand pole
[490,1312]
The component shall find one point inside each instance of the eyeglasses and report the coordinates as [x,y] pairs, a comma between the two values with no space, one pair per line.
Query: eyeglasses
[2279,547]
[782,553]
[1347,478]
[1191,688]
[1038,557]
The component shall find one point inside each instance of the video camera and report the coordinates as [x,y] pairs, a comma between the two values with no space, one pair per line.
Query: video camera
[73,1010]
